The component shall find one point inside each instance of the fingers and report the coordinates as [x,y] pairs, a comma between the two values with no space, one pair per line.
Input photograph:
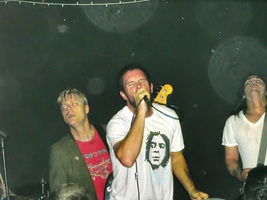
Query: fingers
[140,94]
[198,195]
[245,173]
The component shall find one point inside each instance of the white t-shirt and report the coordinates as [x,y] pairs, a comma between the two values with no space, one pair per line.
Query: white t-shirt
[239,131]
[162,135]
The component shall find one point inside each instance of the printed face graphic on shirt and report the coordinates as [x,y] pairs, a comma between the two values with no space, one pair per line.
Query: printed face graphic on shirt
[157,150]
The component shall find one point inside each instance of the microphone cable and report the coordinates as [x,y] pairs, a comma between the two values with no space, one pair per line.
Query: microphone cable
[175,118]
[136,178]
[136,109]
[136,168]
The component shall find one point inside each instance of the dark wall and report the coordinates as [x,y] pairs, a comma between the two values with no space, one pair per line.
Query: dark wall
[202,48]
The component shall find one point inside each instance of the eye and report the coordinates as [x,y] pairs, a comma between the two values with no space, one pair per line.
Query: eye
[153,145]
[74,103]
[248,83]
[131,84]
[142,81]
[64,107]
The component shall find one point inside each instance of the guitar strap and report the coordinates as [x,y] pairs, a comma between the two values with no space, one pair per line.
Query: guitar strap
[263,145]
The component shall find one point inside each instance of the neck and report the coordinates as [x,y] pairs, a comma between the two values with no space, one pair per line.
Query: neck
[83,134]
[256,109]
[255,105]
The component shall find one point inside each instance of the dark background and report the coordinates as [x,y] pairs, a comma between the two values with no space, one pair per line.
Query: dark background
[202,48]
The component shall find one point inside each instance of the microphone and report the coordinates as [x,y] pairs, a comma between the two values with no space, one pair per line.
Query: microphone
[147,101]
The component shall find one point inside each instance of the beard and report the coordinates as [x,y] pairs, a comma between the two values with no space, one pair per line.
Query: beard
[132,102]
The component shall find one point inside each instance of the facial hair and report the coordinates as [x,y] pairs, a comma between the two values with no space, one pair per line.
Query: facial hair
[132,103]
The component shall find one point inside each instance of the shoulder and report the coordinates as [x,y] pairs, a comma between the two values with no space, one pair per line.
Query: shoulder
[170,113]
[65,141]
[122,115]
[125,111]
[165,108]
[234,118]
[235,121]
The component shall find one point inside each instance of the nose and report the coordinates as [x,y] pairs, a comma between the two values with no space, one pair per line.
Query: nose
[68,108]
[253,81]
[138,85]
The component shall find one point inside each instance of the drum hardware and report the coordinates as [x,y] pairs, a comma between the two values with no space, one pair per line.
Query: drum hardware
[3,137]
[44,189]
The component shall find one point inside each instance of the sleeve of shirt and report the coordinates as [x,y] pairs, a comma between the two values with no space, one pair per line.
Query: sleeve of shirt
[177,143]
[228,138]
[117,129]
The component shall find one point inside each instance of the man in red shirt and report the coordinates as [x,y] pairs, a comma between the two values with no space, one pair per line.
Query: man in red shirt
[81,156]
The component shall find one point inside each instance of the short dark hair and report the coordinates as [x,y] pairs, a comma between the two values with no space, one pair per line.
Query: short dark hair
[131,67]
[256,184]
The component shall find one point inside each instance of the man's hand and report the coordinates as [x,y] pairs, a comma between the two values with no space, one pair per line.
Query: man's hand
[140,95]
[245,173]
[198,195]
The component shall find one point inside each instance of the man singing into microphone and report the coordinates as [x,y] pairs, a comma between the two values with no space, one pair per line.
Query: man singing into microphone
[137,131]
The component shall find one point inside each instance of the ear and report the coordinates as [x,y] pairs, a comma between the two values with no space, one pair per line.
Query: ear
[151,88]
[123,96]
[87,108]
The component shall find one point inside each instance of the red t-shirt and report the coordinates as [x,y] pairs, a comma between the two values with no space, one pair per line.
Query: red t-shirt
[98,162]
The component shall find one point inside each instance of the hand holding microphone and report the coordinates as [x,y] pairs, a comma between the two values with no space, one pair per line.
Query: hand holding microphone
[142,95]
[147,100]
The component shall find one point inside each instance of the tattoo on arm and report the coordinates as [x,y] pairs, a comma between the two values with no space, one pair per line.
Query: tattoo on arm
[237,172]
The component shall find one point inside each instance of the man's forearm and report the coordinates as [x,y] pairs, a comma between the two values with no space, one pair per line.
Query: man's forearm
[181,171]
[234,169]
[128,149]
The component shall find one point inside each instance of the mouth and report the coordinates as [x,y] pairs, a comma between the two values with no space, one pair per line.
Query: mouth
[253,86]
[71,116]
